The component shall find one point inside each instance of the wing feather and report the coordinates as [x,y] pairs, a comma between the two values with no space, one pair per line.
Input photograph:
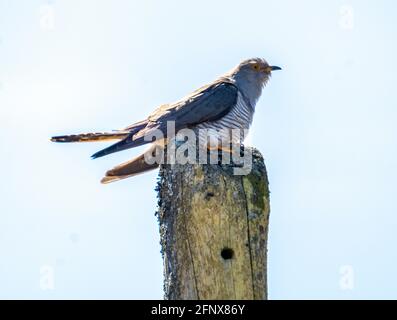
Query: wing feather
[208,103]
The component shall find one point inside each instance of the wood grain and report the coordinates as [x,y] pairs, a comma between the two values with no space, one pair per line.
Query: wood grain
[213,228]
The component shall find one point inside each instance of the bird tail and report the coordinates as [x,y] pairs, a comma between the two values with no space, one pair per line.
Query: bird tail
[127,143]
[130,168]
[90,137]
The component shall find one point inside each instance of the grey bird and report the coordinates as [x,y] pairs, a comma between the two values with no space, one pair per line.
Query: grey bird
[227,103]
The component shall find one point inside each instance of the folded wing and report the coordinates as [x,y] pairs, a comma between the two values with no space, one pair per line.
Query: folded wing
[209,103]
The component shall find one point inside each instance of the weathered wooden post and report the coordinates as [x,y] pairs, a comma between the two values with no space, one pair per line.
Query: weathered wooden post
[213,228]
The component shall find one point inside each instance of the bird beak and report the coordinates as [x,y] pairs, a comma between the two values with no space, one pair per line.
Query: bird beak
[269,69]
[273,68]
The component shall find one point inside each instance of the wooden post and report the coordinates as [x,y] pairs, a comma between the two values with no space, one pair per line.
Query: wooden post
[213,228]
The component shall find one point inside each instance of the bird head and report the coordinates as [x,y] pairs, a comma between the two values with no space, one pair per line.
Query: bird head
[255,69]
[251,75]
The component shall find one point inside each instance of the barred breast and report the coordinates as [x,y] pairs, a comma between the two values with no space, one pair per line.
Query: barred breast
[220,131]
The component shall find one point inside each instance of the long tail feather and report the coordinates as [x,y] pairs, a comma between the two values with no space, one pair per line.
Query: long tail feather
[90,137]
[124,144]
[130,168]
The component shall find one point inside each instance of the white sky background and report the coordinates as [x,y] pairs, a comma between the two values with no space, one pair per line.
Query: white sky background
[326,125]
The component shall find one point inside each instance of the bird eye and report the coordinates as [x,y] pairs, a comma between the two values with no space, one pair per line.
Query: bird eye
[256,67]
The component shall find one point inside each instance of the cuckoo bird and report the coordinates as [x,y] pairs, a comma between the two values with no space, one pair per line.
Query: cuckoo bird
[227,103]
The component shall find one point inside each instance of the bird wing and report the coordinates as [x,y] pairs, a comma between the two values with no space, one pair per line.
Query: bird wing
[208,103]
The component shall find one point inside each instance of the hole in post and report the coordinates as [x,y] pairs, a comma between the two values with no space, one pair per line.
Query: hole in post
[227,253]
[209,195]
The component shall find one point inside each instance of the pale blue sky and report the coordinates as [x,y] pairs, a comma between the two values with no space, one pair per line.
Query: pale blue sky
[326,125]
